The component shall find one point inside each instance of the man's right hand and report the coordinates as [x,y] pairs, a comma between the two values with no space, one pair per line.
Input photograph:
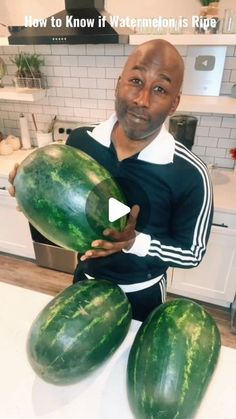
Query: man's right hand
[11,178]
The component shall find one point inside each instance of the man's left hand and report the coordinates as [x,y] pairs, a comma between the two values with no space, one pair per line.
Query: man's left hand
[121,240]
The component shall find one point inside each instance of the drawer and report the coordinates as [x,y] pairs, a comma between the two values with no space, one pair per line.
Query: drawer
[225,219]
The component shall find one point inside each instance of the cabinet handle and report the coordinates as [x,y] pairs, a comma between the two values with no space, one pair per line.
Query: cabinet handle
[3,188]
[220,225]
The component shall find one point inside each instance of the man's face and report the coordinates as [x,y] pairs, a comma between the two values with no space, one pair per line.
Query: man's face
[147,92]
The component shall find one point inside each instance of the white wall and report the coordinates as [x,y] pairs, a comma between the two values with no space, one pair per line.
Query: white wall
[13,12]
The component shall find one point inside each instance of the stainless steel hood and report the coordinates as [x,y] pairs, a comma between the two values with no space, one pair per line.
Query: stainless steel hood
[82,22]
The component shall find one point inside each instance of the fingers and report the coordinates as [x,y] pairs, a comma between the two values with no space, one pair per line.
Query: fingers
[133,218]
[13,173]
[11,190]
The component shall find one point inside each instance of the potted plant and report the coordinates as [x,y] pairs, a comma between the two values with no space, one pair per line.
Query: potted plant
[28,70]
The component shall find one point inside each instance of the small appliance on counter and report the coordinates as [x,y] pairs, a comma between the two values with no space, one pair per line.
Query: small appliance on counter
[183,128]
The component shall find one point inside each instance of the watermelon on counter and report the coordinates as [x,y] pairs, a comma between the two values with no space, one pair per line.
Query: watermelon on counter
[78,330]
[64,193]
[172,360]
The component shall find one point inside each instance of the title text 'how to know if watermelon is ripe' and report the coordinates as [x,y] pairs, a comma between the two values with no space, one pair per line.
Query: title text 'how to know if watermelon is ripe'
[64,194]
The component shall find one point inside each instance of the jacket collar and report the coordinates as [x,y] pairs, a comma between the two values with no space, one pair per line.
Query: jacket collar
[159,151]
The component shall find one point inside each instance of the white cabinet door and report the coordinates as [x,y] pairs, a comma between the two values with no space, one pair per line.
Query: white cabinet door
[15,235]
[214,280]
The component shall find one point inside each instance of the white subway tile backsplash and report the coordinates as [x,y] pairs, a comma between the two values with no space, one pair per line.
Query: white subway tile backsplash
[216,152]
[230,63]
[96,49]
[81,113]
[78,72]
[64,91]
[226,143]
[233,76]
[43,49]
[60,49]
[72,102]
[227,163]
[82,81]
[206,141]
[52,60]
[58,101]
[54,81]
[106,104]
[113,73]
[69,60]
[212,121]
[97,93]
[106,83]
[65,111]
[233,133]
[114,49]
[105,61]
[89,103]
[202,131]
[70,82]
[88,83]
[62,71]
[77,50]
[229,122]
[86,60]
[219,132]
[82,93]
[100,72]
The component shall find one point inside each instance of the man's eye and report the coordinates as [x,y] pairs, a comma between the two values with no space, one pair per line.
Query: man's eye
[159,89]
[136,81]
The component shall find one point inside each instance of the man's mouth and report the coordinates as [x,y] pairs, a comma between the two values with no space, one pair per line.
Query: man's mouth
[138,116]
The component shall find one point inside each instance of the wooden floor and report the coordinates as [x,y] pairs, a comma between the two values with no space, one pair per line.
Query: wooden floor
[25,273]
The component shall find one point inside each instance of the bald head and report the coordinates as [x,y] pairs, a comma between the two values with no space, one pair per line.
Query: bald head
[148,89]
[160,52]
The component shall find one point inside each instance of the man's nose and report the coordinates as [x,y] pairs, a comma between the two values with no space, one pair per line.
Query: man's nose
[142,98]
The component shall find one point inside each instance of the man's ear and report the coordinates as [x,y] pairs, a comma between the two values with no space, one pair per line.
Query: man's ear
[175,104]
[117,85]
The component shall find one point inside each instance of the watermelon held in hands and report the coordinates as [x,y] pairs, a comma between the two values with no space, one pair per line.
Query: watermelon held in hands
[64,194]
[78,330]
[172,360]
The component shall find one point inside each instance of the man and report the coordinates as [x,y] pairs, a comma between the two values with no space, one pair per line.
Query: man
[166,185]
[172,226]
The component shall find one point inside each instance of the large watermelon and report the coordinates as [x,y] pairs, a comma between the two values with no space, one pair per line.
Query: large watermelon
[172,360]
[64,193]
[78,330]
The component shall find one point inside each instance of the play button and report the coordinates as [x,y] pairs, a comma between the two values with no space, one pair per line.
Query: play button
[116,209]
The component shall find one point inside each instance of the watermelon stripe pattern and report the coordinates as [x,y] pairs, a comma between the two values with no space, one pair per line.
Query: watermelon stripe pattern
[64,194]
[171,361]
[189,257]
[78,330]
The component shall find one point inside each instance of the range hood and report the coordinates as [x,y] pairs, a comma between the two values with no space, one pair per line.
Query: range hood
[82,22]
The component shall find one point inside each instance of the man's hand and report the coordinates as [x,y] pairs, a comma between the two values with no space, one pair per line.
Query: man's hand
[11,178]
[122,240]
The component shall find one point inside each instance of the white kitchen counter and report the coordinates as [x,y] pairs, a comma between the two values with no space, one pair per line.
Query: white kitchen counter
[103,394]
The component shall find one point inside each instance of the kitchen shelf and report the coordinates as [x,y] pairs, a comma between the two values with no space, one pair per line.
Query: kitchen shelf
[24,94]
[3,40]
[207,104]
[186,39]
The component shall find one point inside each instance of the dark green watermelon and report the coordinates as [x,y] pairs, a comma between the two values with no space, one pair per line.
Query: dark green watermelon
[78,330]
[172,361]
[64,193]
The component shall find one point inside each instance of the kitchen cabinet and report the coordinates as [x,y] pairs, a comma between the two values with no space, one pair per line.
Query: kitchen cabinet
[213,280]
[15,235]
